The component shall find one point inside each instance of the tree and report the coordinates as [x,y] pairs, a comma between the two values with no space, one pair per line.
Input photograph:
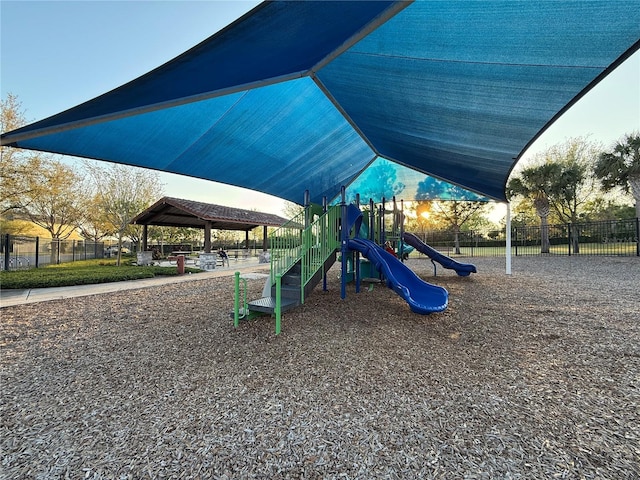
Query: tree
[620,167]
[94,225]
[455,214]
[291,210]
[558,179]
[601,208]
[378,181]
[122,192]
[419,216]
[18,168]
[534,183]
[573,187]
[58,204]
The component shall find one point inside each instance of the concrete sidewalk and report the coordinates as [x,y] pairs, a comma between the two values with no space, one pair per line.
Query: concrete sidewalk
[13,297]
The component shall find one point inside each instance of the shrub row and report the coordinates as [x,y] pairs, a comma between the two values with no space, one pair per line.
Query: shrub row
[64,276]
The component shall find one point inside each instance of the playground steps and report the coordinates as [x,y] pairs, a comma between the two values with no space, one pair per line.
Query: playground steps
[290,289]
[268,305]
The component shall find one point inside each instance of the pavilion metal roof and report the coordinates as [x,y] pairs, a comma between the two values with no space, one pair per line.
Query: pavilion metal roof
[177,212]
[306,95]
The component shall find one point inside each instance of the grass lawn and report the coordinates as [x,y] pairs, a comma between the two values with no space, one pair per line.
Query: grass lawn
[82,273]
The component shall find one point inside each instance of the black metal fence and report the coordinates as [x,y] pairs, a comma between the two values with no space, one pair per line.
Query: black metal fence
[610,237]
[21,252]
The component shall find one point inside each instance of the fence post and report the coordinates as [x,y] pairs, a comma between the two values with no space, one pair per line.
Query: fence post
[7,255]
[637,237]
[37,252]
[569,237]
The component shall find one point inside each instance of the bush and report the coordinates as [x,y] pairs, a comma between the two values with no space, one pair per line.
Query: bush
[81,273]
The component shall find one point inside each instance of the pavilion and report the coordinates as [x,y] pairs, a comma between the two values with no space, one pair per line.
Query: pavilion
[176,212]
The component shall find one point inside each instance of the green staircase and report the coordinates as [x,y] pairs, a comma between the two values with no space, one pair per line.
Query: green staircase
[302,250]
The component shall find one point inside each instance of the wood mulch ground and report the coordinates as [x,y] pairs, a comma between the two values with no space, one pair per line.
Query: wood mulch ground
[528,376]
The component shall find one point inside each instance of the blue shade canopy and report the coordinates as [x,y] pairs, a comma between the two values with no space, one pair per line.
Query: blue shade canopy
[384,179]
[301,96]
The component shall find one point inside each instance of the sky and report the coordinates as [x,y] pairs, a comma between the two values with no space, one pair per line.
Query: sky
[55,55]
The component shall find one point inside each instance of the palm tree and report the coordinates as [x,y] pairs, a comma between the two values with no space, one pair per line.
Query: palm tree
[536,183]
[621,167]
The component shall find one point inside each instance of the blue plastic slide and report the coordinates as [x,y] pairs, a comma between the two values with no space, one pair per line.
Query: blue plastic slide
[462,269]
[422,297]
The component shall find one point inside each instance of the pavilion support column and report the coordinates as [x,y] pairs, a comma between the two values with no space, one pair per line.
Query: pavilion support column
[145,232]
[264,239]
[246,238]
[207,236]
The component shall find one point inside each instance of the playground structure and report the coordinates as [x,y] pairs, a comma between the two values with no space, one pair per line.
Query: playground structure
[305,248]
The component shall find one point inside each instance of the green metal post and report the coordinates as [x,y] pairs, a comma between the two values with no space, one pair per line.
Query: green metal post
[278,311]
[401,256]
[236,301]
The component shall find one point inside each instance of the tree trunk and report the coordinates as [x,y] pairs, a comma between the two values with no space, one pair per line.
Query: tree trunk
[55,249]
[541,203]
[575,239]
[544,234]
[119,257]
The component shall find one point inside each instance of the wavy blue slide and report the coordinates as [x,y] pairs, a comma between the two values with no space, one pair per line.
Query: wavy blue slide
[422,297]
[462,269]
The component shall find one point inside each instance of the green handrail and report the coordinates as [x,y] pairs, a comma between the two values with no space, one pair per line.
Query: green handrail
[312,245]
[285,246]
[320,241]
[278,310]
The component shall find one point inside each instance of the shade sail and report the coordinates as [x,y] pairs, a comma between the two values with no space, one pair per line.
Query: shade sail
[313,95]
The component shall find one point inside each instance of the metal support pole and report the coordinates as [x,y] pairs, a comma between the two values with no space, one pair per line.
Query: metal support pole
[372,220]
[382,226]
[507,251]
[394,219]
[344,237]
[325,231]
[307,202]
[356,260]
[278,310]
